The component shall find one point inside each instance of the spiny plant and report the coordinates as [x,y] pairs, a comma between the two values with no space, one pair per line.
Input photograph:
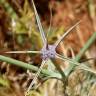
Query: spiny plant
[49,51]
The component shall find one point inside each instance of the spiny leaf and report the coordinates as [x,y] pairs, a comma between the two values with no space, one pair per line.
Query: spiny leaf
[66,33]
[39,24]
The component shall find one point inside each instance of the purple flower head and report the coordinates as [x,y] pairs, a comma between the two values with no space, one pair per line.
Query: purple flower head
[48,52]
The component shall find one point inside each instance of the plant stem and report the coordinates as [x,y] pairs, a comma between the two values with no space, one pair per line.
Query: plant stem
[83,50]
[29,66]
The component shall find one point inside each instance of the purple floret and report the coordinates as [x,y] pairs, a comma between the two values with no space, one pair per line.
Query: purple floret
[48,52]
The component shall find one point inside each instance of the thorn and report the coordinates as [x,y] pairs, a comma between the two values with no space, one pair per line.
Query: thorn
[66,33]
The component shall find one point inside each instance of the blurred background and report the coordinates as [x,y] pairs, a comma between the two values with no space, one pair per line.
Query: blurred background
[19,31]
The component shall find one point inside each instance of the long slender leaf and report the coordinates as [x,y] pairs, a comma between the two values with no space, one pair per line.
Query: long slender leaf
[66,33]
[39,24]
[23,52]
[73,62]
[28,66]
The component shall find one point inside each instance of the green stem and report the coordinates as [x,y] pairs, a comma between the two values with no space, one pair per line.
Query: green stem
[80,54]
[29,66]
